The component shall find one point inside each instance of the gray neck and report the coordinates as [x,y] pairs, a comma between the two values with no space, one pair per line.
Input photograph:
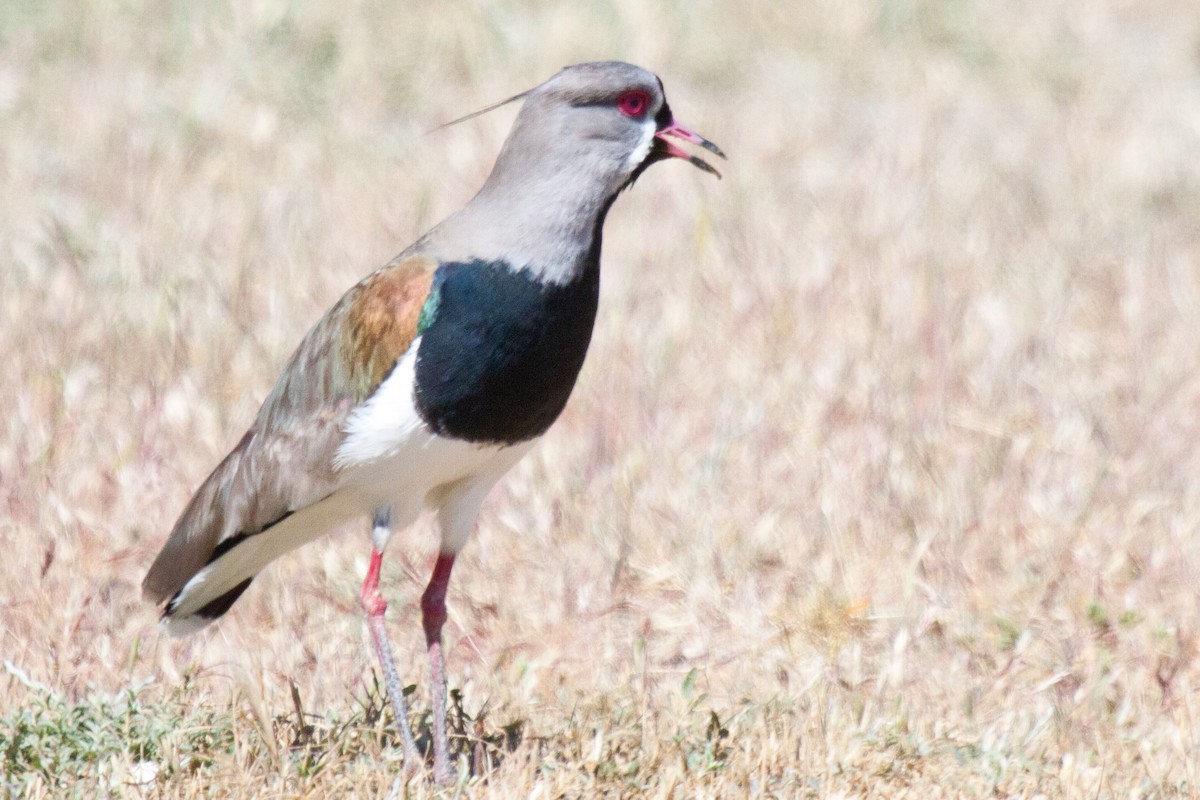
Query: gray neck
[530,216]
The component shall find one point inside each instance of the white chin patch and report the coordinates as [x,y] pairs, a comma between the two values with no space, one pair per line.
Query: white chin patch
[643,149]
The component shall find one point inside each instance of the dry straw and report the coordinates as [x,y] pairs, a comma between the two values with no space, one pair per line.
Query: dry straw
[880,479]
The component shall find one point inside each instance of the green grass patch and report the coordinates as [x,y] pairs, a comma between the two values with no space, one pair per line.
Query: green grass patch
[58,742]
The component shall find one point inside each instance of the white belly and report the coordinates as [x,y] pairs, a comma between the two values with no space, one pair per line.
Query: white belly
[391,457]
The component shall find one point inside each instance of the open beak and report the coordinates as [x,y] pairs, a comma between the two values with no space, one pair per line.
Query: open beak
[668,149]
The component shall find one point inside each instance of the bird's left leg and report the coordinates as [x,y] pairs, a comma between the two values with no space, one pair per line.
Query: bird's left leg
[374,605]
[458,506]
[433,616]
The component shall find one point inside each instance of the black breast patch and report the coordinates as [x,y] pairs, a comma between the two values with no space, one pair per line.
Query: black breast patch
[500,354]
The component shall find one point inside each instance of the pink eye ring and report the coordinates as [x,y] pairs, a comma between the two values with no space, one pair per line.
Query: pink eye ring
[633,103]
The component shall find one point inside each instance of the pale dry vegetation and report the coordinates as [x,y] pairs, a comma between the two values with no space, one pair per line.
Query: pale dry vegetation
[882,478]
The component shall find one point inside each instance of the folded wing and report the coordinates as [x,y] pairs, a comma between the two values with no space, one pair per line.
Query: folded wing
[284,465]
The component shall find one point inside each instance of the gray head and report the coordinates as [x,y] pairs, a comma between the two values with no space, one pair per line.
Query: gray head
[604,121]
[580,138]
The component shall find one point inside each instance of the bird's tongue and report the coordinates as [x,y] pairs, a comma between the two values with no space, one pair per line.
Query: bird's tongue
[681,131]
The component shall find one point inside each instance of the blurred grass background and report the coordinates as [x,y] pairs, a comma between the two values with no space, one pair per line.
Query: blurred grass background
[879,479]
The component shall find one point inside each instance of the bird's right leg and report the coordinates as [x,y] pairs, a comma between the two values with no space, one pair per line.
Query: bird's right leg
[374,605]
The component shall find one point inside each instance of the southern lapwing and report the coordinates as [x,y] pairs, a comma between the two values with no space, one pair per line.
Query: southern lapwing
[434,375]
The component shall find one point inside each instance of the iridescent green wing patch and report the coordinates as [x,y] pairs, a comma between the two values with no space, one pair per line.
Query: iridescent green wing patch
[430,307]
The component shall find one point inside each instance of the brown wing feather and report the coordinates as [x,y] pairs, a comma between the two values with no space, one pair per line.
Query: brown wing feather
[383,322]
[285,461]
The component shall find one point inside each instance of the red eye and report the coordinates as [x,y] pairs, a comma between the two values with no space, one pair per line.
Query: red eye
[633,103]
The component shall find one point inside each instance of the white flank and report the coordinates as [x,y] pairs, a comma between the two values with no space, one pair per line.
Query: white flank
[392,458]
[387,421]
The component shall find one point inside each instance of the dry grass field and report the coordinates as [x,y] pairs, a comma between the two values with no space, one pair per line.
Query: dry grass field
[882,478]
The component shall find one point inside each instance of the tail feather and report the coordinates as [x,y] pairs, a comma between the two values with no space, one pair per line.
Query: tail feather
[232,565]
[208,519]
[249,511]
[183,624]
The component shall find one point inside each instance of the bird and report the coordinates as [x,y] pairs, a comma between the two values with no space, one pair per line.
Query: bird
[433,375]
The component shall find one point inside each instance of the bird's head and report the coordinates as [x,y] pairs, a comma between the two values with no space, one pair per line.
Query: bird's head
[607,119]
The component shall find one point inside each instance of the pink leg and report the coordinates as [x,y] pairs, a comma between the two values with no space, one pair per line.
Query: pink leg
[433,616]
[374,604]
